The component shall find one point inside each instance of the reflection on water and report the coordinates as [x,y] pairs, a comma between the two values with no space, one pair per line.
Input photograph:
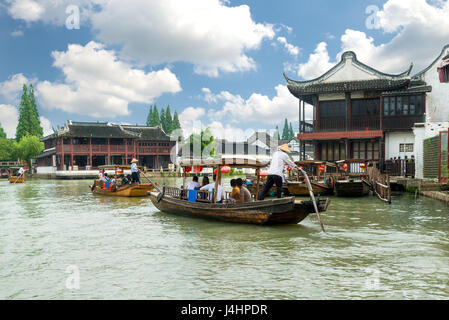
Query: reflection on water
[125,249]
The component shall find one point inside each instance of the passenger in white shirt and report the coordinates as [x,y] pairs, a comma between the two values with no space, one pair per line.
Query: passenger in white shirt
[211,186]
[275,172]
[193,184]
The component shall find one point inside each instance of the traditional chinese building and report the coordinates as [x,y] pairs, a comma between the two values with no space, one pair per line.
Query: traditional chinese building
[87,145]
[360,112]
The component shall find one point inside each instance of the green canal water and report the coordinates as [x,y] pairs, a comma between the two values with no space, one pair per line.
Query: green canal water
[58,241]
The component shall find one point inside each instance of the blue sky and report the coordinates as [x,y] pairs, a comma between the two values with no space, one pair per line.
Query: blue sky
[217,62]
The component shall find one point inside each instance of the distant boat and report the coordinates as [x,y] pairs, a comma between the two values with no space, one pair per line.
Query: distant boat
[350,188]
[14,177]
[120,190]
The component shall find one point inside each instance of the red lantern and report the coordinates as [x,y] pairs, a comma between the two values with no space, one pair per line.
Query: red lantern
[197,169]
[188,169]
[225,169]
[321,168]
[215,171]
[345,167]
[263,173]
[363,166]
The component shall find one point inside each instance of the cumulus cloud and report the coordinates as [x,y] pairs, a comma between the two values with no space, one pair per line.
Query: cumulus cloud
[258,108]
[207,33]
[9,119]
[46,126]
[98,84]
[291,49]
[420,29]
[12,88]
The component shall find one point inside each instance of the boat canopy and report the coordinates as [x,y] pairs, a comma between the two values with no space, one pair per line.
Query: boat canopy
[113,167]
[222,162]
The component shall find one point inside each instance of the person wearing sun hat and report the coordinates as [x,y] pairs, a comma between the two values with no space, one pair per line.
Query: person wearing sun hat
[275,172]
[134,171]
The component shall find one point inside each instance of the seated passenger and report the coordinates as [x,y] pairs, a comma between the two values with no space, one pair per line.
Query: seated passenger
[192,185]
[235,193]
[245,195]
[211,188]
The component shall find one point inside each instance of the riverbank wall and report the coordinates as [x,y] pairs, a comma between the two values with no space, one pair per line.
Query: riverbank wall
[427,188]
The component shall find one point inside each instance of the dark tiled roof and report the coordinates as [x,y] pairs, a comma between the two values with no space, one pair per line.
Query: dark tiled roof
[108,130]
[300,90]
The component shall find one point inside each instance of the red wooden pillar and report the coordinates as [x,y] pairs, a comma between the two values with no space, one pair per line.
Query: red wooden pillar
[381,107]
[90,152]
[317,113]
[157,156]
[109,151]
[126,151]
[348,111]
[71,152]
[62,157]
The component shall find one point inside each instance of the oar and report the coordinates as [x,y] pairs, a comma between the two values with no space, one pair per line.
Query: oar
[154,185]
[312,196]
[18,178]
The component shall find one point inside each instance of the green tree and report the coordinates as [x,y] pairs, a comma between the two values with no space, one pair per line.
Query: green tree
[168,121]
[292,133]
[155,120]
[206,140]
[276,135]
[163,120]
[36,128]
[7,150]
[285,131]
[29,147]
[2,132]
[177,126]
[29,123]
[150,115]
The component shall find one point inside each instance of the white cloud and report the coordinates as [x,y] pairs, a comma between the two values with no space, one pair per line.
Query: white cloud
[9,119]
[229,132]
[27,10]
[258,108]
[319,62]
[420,29]
[46,126]
[212,36]
[12,88]
[98,84]
[291,49]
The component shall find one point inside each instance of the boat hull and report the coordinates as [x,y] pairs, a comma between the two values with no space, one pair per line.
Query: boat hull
[269,212]
[15,180]
[300,189]
[352,189]
[134,190]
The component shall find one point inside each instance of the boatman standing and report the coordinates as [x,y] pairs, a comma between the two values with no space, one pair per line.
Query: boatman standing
[134,171]
[20,171]
[275,173]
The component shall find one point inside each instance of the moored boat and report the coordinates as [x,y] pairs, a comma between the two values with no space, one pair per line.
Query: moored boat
[15,177]
[203,204]
[297,188]
[350,188]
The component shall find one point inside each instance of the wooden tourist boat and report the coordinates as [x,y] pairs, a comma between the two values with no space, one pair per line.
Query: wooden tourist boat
[118,190]
[351,177]
[267,212]
[349,188]
[296,188]
[14,177]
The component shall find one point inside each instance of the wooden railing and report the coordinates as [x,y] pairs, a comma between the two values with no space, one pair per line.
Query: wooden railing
[380,183]
[363,123]
[400,167]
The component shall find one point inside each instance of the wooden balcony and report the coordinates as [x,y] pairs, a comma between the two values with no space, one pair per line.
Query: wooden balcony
[401,122]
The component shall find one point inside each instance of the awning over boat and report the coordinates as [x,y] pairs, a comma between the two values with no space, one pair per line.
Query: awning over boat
[443,64]
[230,162]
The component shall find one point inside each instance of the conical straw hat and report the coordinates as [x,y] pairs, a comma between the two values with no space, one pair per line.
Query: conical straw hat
[285,148]
[134,160]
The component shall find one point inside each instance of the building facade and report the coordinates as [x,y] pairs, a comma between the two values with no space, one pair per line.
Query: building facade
[88,145]
[360,112]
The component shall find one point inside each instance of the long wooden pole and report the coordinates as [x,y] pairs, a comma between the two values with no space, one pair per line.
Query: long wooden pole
[19,177]
[154,185]
[258,182]
[309,186]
